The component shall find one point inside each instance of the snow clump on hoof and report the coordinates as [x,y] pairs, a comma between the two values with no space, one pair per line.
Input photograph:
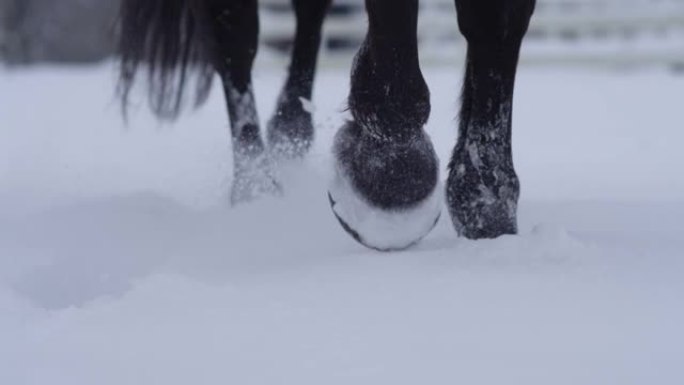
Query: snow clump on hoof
[385,193]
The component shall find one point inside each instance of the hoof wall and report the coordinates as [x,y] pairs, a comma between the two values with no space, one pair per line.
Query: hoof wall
[384,230]
[383,246]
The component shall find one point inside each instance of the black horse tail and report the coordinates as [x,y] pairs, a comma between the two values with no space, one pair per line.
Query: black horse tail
[166,37]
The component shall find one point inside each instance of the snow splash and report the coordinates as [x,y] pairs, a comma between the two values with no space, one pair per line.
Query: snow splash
[380,229]
[254,169]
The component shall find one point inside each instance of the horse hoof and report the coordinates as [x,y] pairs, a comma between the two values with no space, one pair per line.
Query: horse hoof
[385,193]
[483,201]
[381,229]
[290,136]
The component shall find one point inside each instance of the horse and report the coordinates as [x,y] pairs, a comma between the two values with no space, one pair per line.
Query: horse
[386,191]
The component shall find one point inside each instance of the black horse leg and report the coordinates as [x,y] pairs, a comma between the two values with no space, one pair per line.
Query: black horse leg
[385,191]
[234,26]
[290,130]
[483,189]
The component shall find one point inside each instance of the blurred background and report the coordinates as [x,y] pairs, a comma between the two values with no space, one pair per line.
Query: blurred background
[574,32]
[121,261]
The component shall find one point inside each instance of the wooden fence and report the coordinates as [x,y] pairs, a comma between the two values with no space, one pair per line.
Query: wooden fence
[563,32]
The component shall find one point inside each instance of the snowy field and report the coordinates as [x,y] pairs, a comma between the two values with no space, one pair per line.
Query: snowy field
[121,262]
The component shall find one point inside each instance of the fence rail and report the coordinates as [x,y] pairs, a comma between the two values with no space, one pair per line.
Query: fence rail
[576,32]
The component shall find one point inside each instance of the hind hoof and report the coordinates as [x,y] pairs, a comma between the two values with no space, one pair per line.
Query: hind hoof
[380,229]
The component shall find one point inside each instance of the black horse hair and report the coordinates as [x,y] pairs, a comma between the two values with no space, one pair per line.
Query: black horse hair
[166,37]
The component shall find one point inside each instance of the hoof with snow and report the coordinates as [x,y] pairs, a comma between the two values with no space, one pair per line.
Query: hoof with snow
[384,193]
[290,146]
[290,132]
[482,191]
[385,230]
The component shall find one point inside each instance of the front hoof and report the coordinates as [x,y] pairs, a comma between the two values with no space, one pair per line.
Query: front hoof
[385,193]
[482,193]
[385,230]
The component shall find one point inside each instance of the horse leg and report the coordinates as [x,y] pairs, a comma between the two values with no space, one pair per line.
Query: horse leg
[290,130]
[234,27]
[385,189]
[482,187]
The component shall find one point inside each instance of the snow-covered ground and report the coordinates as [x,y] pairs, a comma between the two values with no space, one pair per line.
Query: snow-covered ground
[121,262]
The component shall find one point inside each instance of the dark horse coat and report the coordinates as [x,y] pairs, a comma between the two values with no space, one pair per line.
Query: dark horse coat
[386,192]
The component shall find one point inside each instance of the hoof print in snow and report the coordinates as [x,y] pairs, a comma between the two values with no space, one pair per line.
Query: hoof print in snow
[385,193]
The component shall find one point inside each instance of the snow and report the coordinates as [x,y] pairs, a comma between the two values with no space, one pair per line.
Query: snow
[308,105]
[121,261]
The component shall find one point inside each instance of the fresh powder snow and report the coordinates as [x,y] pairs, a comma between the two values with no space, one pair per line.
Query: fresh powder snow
[122,261]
